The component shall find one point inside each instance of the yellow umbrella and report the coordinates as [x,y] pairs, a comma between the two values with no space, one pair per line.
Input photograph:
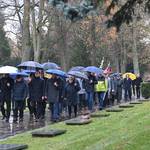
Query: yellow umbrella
[131,75]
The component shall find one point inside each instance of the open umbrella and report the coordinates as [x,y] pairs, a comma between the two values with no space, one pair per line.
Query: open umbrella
[30,65]
[115,74]
[23,74]
[8,70]
[77,68]
[78,74]
[93,69]
[131,75]
[56,72]
[29,71]
[50,65]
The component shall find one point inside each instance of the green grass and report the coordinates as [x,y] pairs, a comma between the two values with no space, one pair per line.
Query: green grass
[127,130]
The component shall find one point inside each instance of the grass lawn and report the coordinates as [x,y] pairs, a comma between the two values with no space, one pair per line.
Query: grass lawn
[127,130]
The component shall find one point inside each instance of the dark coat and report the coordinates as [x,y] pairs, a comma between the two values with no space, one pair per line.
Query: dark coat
[6,87]
[52,91]
[127,84]
[138,81]
[90,83]
[71,93]
[1,93]
[36,89]
[20,91]
[62,84]
[119,88]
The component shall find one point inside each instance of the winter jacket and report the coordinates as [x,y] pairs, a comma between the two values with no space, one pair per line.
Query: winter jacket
[90,83]
[112,86]
[6,86]
[138,81]
[127,83]
[36,89]
[52,91]
[101,86]
[20,91]
[71,92]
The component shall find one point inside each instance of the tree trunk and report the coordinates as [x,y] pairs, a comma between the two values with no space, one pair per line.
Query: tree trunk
[134,51]
[123,55]
[39,31]
[34,35]
[26,44]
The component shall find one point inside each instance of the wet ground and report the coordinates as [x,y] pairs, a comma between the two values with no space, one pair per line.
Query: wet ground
[11,129]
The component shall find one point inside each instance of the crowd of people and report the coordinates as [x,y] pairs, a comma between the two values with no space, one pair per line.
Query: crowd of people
[70,95]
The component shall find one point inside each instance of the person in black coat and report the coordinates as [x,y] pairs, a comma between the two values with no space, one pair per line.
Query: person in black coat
[6,89]
[71,95]
[89,87]
[20,93]
[138,82]
[119,89]
[44,100]
[36,91]
[29,104]
[127,84]
[52,92]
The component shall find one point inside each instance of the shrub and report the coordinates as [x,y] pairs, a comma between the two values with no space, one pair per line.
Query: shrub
[145,88]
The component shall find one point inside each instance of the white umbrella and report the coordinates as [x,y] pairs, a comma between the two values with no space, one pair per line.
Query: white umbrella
[8,70]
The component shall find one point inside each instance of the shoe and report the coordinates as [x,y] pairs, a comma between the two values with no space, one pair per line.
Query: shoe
[14,120]
[100,109]
[7,119]
[21,120]
[3,118]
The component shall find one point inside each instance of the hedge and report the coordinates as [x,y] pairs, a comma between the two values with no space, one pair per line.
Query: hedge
[145,88]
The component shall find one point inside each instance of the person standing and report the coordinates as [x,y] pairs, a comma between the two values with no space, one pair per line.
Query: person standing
[52,95]
[36,91]
[20,93]
[71,95]
[112,89]
[29,104]
[119,89]
[82,96]
[6,90]
[133,87]
[127,84]
[138,82]
[101,89]
[89,87]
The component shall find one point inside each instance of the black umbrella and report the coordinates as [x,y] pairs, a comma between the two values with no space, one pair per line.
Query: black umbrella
[30,65]
[50,65]
[78,74]
[77,68]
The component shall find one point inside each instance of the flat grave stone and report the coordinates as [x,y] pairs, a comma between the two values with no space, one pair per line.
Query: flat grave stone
[126,106]
[48,133]
[136,103]
[99,115]
[114,110]
[144,100]
[13,146]
[78,121]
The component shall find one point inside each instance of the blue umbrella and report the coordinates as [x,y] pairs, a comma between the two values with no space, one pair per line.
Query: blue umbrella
[50,65]
[30,65]
[93,69]
[23,74]
[77,68]
[78,74]
[56,72]
[29,71]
